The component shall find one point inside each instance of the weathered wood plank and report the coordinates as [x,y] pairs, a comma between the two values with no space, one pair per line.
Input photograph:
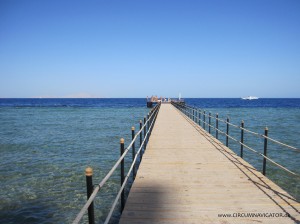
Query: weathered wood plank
[187,176]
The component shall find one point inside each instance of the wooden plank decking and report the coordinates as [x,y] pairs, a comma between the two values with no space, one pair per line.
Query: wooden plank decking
[187,176]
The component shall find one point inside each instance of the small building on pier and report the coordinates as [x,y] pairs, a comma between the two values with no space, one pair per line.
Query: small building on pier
[154,100]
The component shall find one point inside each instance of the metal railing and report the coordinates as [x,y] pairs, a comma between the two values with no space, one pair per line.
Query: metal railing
[143,136]
[199,117]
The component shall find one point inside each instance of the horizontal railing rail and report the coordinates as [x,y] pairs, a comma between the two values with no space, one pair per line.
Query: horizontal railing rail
[143,134]
[199,116]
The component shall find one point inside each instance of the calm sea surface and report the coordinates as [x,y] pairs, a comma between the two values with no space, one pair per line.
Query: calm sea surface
[45,145]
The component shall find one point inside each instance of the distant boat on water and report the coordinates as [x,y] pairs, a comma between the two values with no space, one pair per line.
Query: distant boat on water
[250,98]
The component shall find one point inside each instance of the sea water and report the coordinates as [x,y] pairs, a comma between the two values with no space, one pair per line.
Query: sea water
[46,144]
[282,119]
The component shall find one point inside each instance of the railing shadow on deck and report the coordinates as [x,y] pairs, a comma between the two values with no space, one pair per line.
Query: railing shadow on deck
[242,165]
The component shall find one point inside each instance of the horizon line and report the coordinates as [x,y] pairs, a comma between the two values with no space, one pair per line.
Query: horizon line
[141,97]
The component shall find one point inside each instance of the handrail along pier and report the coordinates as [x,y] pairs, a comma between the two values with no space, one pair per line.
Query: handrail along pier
[187,175]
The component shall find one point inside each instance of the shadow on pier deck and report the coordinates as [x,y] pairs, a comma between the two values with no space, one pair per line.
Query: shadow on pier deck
[188,176]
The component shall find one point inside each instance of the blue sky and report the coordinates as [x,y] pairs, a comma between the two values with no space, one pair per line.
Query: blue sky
[213,48]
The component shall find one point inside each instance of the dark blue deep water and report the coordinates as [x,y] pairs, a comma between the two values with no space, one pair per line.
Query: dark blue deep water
[45,145]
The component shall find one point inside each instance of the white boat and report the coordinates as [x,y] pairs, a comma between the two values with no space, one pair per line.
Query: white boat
[250,98]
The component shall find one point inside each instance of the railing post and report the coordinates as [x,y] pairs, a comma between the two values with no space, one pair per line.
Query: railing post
[209,122]
[217,126]
[133,152]
[122,174]
[145,140]
[200,117]
[141,139]
[204,119]
[265,151]
[90,188]
[193,113]
[148,127]
[227,130]
[148,124]
[242,139]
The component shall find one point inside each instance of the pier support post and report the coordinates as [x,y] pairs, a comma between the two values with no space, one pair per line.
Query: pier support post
[265,150]
[122,174]
[242,139]
[90,188]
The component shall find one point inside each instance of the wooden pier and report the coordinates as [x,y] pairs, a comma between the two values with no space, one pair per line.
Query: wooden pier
[188,176]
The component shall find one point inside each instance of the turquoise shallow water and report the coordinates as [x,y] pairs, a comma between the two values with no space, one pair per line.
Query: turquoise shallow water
[44,152]
[45,145]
